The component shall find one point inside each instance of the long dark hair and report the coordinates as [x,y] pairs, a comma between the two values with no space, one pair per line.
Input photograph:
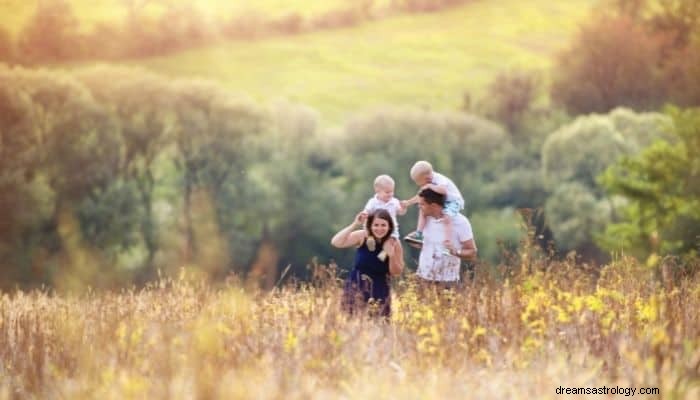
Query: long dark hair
[383,214]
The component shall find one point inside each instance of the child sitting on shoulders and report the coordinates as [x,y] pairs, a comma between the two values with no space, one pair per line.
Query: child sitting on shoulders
[425,177]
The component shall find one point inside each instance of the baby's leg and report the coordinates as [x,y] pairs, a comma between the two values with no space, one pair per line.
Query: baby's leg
[447,221]
[421,221]
[417,236]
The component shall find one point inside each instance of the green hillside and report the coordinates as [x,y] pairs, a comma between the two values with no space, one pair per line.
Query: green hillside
[424,60]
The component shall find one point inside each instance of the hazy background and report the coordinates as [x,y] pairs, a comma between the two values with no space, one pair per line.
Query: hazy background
[138,137]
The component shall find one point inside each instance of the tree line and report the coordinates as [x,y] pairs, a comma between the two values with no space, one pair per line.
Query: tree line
[113,175]
[54,34]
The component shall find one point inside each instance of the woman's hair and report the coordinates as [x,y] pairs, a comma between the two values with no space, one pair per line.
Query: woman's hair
[383,214]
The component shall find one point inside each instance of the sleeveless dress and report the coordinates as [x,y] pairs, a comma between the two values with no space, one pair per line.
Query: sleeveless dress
[368,282]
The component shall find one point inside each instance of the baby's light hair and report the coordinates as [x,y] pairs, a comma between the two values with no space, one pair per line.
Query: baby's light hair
[421,168]
[383,181]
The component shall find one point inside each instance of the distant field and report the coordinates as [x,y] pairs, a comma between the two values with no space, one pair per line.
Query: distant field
[425,60]
[14,13]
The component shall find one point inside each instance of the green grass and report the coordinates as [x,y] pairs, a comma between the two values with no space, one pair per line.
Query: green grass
[420,60]
[425,60]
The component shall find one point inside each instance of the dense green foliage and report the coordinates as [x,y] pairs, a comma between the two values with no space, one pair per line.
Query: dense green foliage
[572,159]
[662,189]
[112,174]
[124,168]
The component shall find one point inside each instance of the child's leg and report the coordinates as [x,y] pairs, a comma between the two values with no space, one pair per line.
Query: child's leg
[447,221]
[417,236]
[421,221]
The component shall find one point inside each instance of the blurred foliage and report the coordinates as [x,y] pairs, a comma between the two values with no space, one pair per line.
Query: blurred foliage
[511,98]
[429,67]
[575,155]
[131,174]
[51,34]
[7,51]
[613,62]
[639,54]
[59,30]
[662,187]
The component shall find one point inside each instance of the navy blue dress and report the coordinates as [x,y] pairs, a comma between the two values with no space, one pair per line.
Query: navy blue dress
[368,280]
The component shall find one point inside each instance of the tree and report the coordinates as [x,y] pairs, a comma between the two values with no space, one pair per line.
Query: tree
[139,106]
[59,150]
[612,62]
[212,130]
[575,215]
[7,51]
[51,34]
[511,97]
[572,159]
[662,186]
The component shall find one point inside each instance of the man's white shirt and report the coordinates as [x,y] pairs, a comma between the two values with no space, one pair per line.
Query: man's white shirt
[433,265]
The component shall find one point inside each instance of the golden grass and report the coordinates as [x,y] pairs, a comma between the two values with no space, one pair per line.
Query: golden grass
[557,325]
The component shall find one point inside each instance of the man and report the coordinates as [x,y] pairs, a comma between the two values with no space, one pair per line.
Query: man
[433,264]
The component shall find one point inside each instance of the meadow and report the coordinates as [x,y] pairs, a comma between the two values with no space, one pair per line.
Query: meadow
[90,13]
[421,60]
[540,326]
[520,329]
[424,60]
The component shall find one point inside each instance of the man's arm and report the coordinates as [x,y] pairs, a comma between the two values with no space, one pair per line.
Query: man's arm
[467,251]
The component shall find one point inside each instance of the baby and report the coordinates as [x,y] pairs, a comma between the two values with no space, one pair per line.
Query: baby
[425,177]
[384,199]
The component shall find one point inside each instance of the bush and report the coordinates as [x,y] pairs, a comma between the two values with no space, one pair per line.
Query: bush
[7,51]
[51,34]
[511,96]
[612,62]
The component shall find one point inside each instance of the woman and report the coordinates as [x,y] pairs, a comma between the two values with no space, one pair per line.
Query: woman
[378,256]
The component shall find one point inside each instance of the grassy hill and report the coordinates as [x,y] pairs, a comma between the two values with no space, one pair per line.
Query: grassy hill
[424,60]
[15,13]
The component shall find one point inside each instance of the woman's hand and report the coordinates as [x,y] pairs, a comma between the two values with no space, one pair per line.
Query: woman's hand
[393,249]
[360,218]
[389,246]
[348,236]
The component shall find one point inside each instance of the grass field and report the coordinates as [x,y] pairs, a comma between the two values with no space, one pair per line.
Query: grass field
[15,13]
[550,326]
[425,60]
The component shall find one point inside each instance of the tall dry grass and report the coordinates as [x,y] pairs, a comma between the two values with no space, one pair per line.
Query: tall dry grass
[545,325]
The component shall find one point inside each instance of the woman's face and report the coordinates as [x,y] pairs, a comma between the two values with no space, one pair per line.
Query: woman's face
[379,228]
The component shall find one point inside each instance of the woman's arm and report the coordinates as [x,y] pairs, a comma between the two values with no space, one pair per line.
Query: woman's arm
[348,236]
